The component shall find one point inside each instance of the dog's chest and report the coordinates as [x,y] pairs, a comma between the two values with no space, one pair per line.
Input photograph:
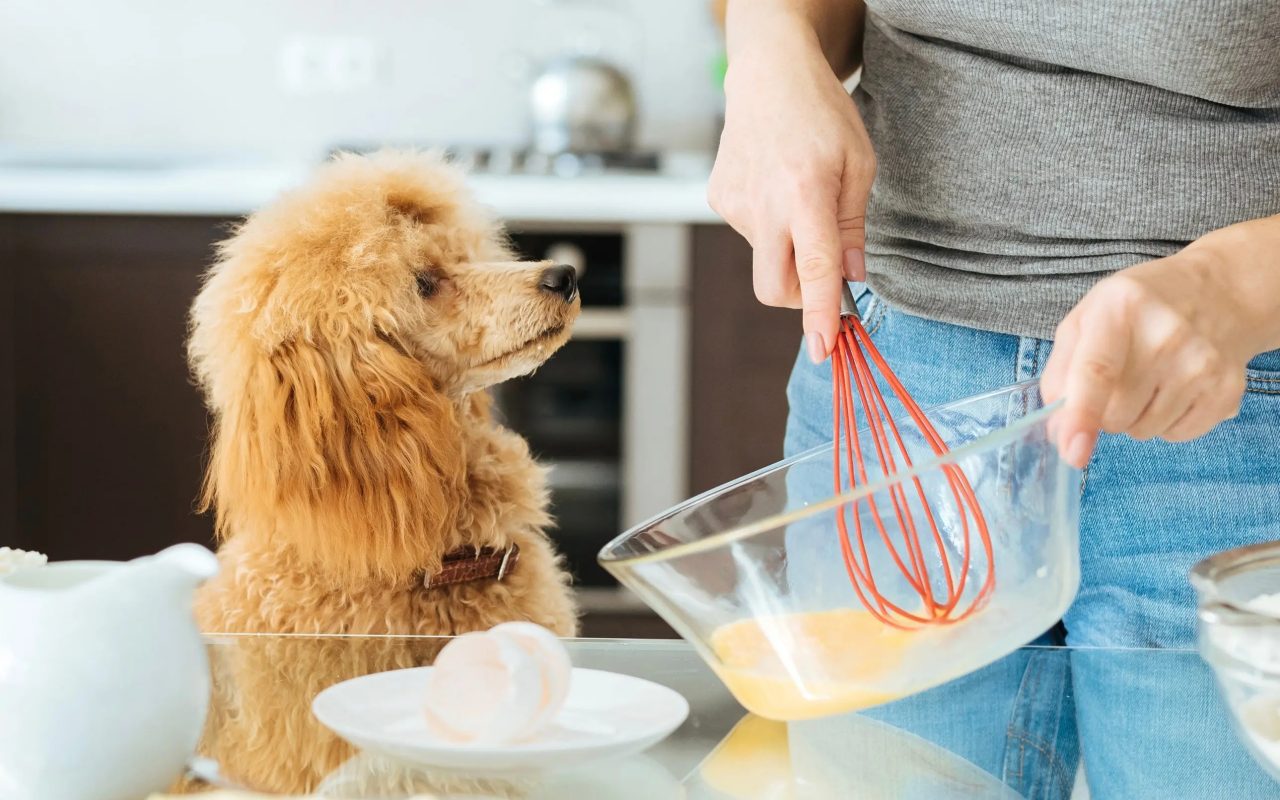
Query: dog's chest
[504,478]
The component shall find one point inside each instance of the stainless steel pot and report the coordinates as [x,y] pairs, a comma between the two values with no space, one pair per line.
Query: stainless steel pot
[581,104]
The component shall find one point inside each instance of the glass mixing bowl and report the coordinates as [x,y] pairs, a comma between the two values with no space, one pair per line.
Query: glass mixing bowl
[752,573]
[1239,592]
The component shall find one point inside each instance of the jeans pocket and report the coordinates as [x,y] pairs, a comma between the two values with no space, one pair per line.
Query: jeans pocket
[1263,374]
[872,313]
[861,296]
[870,307]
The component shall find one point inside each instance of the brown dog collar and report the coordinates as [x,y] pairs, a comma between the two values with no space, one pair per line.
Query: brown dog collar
[473,564]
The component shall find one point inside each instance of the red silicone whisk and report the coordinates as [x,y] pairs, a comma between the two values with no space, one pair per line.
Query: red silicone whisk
[908,548]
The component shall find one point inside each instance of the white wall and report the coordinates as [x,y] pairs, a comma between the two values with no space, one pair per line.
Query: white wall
[206,74]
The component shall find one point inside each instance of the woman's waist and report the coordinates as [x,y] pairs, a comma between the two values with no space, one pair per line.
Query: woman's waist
[1026,305]
[1063,157]
[997,250]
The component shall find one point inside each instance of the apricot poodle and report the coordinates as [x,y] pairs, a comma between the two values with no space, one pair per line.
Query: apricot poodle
[344,340]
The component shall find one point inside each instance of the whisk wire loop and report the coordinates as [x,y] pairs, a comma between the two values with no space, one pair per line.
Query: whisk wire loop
[855,383]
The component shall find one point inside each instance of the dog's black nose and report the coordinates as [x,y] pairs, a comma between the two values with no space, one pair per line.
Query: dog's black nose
[560,279]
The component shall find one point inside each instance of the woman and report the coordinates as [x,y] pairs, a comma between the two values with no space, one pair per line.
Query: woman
[1090,196]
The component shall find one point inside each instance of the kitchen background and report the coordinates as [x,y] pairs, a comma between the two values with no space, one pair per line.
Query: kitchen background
[290,77]
[132,133]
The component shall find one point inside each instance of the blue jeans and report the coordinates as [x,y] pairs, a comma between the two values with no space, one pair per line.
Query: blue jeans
[1148,726]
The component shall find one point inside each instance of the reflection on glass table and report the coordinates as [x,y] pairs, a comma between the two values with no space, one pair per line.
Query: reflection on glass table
[261,735]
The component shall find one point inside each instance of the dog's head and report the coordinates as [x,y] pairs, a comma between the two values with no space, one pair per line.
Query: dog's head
[339,339]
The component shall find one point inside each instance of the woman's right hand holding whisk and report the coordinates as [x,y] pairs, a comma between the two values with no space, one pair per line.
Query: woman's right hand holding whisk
[795,163]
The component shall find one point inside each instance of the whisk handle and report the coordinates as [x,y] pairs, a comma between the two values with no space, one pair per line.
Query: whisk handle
[848,306]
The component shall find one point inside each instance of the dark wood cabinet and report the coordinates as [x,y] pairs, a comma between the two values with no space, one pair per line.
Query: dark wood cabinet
[8,422]
[102,433]
[742,353]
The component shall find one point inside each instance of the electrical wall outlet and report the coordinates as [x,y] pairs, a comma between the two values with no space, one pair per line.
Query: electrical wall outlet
[309,64]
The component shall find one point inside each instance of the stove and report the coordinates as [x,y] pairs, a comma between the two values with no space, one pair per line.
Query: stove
[493,160]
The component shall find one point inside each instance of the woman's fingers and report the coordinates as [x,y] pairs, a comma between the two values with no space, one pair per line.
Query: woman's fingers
[820,269]
[1143,354]
[1169,404]
[1135,391]
[1092,377]
[1064,342]
[1054,375]
[851,210]
[829,236]
[773,277]
[1190,422]
[1217,400]
[855,265]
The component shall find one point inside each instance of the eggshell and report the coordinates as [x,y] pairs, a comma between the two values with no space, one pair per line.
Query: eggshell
[483,689]
[556,668]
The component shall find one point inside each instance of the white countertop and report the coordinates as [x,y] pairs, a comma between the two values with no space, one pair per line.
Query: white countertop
[237,189]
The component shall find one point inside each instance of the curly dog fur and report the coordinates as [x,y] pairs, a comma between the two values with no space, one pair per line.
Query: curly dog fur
[344,339]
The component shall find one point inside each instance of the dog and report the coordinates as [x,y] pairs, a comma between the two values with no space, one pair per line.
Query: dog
[343,340]
[260,729]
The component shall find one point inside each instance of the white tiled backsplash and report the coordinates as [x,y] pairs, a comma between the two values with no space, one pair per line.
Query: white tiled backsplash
[294,76]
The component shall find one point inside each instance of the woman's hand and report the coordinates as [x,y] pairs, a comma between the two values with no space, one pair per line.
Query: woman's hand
[795,164]
[1160,349]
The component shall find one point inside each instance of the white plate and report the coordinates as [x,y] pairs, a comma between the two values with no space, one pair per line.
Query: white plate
[605,715]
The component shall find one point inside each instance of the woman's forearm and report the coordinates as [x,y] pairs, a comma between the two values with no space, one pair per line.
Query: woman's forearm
[836,25]
[1244,260]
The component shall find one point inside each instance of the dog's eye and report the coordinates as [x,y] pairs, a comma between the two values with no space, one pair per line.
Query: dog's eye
[428,284]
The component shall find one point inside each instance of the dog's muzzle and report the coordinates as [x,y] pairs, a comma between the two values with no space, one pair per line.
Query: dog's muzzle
[560,280]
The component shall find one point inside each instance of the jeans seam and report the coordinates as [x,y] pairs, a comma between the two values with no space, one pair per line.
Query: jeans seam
[1013,729]
[1018,733]
[1013,777]
[875,315]
[1044,749]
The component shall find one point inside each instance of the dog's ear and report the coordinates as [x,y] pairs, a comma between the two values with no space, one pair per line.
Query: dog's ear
[345,450]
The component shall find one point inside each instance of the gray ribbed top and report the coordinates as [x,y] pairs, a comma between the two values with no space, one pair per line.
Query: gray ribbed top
[1027,148]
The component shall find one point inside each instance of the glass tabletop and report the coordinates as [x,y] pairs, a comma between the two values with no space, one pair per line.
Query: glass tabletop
[262,736]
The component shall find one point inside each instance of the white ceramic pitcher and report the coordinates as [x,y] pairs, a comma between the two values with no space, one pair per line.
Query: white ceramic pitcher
[104,680]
